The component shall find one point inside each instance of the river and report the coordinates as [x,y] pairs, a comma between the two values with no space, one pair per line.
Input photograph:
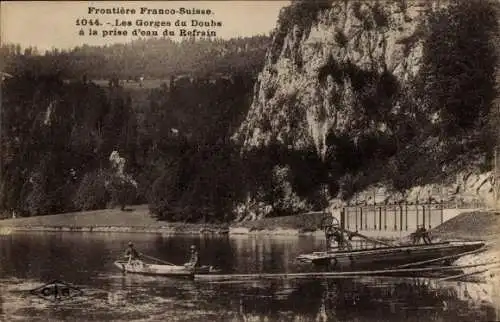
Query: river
[85,261]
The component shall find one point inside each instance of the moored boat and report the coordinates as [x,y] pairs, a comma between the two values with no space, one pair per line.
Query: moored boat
[390,256]
[140,267]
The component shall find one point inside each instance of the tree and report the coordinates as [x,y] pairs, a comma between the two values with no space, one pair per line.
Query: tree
[122,192]
[92,193]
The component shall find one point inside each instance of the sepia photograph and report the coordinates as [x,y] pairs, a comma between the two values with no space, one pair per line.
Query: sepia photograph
[259,160]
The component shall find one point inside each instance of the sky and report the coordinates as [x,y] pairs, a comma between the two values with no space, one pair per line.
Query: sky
[53,24]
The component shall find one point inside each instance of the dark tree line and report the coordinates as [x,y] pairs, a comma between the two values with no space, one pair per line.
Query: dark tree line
[151,58]
[53,135]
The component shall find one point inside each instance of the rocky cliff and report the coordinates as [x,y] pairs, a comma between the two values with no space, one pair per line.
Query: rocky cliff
[296,86]
[376,82]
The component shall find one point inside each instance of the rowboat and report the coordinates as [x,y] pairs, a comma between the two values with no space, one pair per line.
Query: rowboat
[140,267]
[390,256]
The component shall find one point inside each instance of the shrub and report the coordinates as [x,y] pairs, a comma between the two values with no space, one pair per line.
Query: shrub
[91,193]
[459,63]
[122,192]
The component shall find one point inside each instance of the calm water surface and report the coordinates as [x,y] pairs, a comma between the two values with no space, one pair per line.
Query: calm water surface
[28,260]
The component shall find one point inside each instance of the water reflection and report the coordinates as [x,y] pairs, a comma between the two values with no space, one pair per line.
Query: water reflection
[85,260]
[364,300]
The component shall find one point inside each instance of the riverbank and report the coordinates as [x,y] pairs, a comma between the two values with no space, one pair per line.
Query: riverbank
[483,225]
[468,225]
[135,219]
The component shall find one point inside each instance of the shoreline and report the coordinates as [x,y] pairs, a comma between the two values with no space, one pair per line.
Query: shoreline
[139,220]
[172,230]
[457,224]
[210,230]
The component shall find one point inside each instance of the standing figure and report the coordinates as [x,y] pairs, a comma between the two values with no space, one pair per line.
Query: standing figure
[341,240]
[421,233]
[193,259]
[329,233]
[335,235]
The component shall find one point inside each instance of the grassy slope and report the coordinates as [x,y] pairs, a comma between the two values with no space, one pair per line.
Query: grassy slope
[470,225]
[135,216]
[139,216]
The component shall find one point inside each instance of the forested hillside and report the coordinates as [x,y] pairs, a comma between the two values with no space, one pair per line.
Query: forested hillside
[150,58]
[59,126]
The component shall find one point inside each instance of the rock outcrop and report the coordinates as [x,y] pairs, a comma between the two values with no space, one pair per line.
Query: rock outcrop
[468,189]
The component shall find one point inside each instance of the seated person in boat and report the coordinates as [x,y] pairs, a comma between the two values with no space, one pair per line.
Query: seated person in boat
[421,233]
[131,253]
[193,260]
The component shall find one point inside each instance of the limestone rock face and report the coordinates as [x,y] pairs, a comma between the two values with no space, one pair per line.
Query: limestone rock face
[294,105]
[469,189]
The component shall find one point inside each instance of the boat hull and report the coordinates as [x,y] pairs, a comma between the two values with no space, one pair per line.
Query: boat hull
[139,267]
[386,256]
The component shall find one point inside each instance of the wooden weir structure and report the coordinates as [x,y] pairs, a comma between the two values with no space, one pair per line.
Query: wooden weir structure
[396,217]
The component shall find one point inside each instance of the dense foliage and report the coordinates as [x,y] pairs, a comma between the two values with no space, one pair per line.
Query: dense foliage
[53,135]
[142,57]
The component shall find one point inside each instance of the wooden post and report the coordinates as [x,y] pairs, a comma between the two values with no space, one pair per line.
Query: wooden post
[380,218]
[360,218]
[395,217]
[423,215]
[342,218]
[400,217]
[346,216]
[430,216]
[442,211]
[406,216]
[356,217]
[430,212]
[385,217]
[366,217]
[416,208]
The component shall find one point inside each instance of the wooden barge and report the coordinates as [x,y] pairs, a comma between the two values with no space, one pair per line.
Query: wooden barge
[391,256]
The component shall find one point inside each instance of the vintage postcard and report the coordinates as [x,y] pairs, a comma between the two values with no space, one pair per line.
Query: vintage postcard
[330,160]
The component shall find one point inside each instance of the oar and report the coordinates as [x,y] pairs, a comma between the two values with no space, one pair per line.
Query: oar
[157,259]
